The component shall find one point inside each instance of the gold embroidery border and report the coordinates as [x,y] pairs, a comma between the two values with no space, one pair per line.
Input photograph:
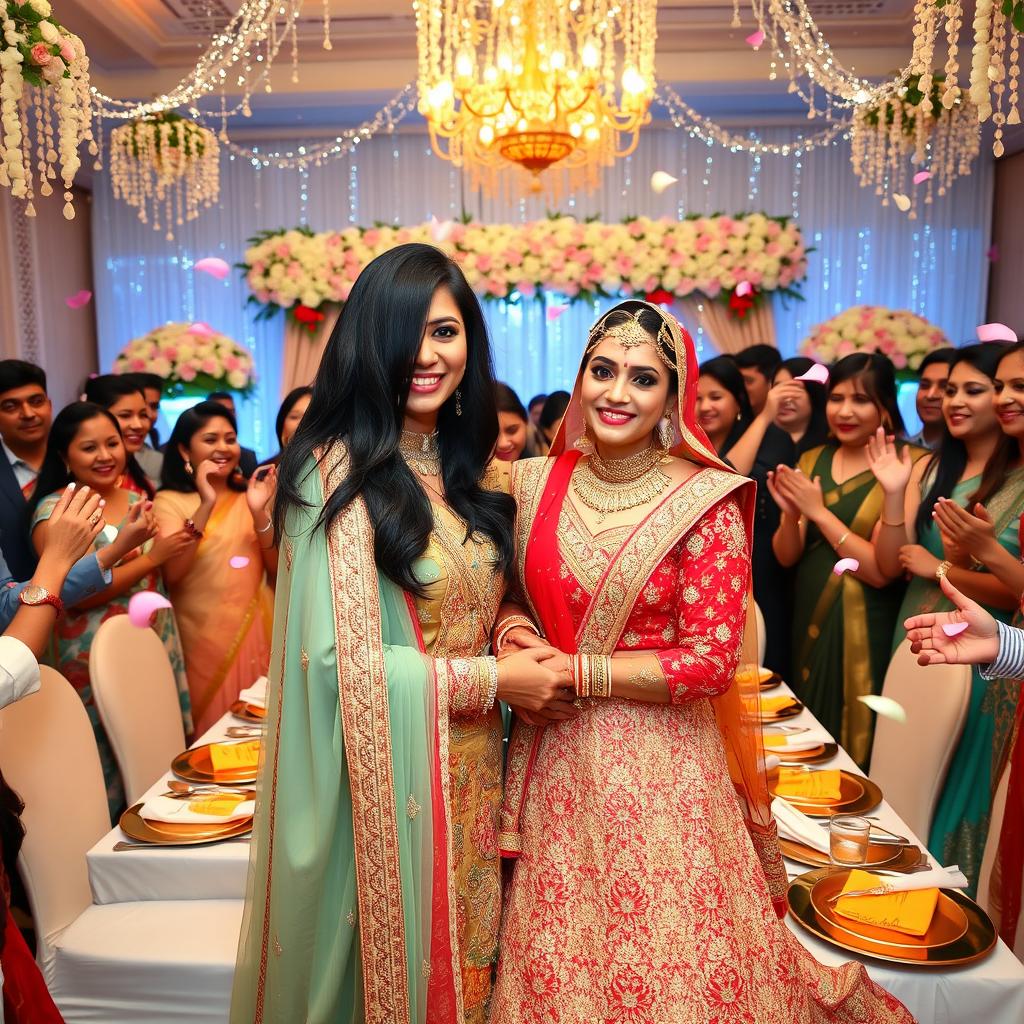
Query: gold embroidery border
[529,481]
[363,707]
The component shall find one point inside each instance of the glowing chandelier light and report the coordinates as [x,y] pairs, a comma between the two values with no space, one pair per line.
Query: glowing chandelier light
[535,84]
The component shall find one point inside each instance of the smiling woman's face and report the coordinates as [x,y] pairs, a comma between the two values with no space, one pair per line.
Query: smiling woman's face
[440,362]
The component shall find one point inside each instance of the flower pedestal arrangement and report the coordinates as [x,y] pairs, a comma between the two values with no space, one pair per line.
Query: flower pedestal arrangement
[45,103]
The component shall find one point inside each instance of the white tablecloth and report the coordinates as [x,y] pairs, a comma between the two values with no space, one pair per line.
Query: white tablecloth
[991,991]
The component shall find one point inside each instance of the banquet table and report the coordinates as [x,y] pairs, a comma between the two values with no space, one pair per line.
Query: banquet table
[991,990]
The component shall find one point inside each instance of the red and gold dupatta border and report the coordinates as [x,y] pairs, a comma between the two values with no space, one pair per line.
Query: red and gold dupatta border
[363,704]
[529,481]
[609,611]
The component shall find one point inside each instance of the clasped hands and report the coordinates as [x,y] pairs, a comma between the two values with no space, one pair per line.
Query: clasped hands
[533,678]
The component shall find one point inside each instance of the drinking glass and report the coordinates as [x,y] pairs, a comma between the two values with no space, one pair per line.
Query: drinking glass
[848,838]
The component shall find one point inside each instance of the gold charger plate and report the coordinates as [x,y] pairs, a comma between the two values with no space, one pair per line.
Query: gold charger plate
[195,766]
[976,941]
[815,755]
[868,800]
[248,712]
[790,711]
[164,833]
[771,682]
[851,792]
[894,856]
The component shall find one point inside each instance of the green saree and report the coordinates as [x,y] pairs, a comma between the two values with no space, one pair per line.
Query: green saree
[350,907]
[841,626]
[960,825]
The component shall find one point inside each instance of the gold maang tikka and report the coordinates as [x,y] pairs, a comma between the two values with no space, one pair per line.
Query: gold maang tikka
[630,333]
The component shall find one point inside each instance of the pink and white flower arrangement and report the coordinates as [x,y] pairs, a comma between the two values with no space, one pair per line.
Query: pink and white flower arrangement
[191,354]
[899,334]
[709,255]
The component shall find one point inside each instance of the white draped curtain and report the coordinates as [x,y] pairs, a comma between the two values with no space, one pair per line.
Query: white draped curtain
[864,252]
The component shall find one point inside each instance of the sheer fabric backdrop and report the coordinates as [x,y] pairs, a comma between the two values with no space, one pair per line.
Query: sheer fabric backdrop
[865,253]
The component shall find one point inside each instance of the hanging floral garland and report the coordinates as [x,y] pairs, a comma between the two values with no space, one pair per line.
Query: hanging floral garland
[44,90]
[167,162]
[934,141]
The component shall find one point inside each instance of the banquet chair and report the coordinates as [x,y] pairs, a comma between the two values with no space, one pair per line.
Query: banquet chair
[762,639]
[910,759]
[137,698]
[988,863]
[153,961]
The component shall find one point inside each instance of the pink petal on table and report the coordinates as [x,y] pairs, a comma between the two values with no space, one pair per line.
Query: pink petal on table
[992,255]
[817,374]
[202,329]
[845,565]
[440,229]
[996,332]
[238,561]
[756,38]
[554,312]
[885,706]
[954,628]
[661,180]
[214,266]
[921,177]
[142,607]
[744,288]
[78,300]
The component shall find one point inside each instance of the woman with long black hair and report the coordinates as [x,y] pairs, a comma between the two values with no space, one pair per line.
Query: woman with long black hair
[374,890]
[723,406]
[124,398]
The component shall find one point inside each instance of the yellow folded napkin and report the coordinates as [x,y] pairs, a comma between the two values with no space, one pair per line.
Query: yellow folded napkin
[750,674]
[770,705]
[784,743]
[821,785]
[206,809]
[235,756]
[909,912]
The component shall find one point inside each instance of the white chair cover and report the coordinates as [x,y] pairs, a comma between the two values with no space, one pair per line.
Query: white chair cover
[910,760]
[137,698]
[762,639]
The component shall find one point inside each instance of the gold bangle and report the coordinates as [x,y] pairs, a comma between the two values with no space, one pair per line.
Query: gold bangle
[842,540]
[942,568]
[507,624]
[885,522]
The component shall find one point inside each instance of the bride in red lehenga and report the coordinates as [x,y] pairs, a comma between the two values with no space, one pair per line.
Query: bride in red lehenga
[649,886]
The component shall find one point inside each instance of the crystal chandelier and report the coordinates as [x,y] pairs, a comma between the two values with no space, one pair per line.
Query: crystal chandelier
[915,134]
[165,165]
[535,84]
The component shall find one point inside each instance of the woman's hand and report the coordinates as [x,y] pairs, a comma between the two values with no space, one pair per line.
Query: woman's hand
[800,492]
[527,681]
[954,552]
[891,468]
[260,492]
[779,393]
[786,507]
[204,471]
[918,561]
[138,527]
[519,638]
[171,545]
[976,645]
[74,523]
[975,534]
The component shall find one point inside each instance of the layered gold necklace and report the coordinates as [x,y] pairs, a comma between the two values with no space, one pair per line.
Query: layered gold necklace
[422,452]
[608,486]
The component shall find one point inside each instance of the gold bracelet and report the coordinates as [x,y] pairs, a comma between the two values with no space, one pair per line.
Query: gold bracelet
[601,676]
[942,569]
[885,522]
[842,540]
[507,624]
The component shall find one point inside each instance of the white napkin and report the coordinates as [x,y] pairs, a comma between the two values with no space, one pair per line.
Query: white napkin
[801,741]
[256,695]
[795,825]
[177,812]
[936,878]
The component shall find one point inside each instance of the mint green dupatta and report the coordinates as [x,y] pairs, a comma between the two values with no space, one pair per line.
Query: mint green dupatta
[349,915]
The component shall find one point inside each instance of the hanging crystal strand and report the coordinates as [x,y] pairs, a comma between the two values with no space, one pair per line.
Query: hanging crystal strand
[223,116]
[1014,116]
[45,189]
[735,23]
[997,75]
[295,50]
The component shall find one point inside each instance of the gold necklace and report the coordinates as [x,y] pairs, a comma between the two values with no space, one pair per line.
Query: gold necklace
[613,485]
[422,452]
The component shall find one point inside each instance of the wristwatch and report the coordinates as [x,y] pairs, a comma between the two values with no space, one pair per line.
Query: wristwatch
[34,596]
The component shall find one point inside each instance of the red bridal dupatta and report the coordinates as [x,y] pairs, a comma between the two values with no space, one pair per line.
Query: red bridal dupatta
[540,488]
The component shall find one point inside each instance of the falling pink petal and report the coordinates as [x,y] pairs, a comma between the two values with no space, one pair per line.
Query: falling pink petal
[954,628]
[214,266]
[996,332]
[78,300]
[440,229]
[744,288]
[142,607]
[922,176]
[993,254]
[846,565]
[817,374]
[554,312]
[756,38]
[202,329]
[238,561]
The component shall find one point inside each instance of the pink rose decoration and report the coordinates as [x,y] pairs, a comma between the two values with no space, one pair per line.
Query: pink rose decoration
[899,360]
[186,373]
[283,251]
[41,55]
[54,71]
[67,50]
[371,237]
[635,228]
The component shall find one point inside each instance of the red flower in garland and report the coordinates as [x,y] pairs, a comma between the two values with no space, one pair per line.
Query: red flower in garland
[660,297]
[308,317]
[742,304]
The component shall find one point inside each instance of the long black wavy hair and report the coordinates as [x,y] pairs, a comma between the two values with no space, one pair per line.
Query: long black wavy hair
[54,474]
[174,476]
[105,391]
[359,399]
[951,456]
[724,370]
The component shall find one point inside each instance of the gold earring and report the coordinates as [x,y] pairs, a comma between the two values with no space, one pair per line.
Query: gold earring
[666,433]
[188,467]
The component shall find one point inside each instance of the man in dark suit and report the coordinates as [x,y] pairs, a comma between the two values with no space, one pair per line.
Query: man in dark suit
[247,462]
[25,417]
